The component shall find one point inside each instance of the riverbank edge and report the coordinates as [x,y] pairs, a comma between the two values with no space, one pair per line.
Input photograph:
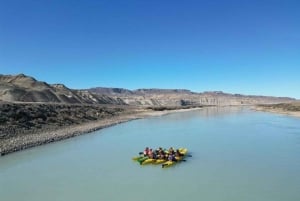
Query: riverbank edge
[32,140]
[276,111]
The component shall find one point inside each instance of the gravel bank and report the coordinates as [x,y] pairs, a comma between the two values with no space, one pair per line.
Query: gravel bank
[14,136]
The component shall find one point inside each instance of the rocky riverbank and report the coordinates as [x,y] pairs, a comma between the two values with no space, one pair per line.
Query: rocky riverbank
[27,125]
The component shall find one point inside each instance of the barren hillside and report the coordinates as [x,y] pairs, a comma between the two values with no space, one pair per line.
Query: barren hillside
[22,88]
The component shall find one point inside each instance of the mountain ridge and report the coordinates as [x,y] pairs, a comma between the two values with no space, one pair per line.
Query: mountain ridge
[183,97]
[23,88]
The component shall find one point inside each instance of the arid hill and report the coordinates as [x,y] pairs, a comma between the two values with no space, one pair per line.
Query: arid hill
[22,88]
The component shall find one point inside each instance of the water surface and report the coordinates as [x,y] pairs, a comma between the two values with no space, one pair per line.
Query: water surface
[237,154]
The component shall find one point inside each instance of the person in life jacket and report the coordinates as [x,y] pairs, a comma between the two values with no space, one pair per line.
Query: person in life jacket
[178,154]
[151,154]
[171,150]
[160,153]
[171,157]
[146,151]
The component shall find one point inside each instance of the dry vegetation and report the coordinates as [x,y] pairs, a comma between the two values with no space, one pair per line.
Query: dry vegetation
[289,107]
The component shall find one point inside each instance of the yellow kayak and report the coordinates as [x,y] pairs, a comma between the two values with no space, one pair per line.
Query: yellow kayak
[170,163]
[183,151]
[159,161]
[148,161]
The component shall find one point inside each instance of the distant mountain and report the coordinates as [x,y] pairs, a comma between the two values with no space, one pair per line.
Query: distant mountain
[119,91]
[183,97]
[22,88]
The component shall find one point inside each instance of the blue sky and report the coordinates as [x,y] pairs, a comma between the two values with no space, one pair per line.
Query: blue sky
[247,47]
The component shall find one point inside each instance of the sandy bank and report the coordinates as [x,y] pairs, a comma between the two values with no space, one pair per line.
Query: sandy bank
[277,111]
[22,142]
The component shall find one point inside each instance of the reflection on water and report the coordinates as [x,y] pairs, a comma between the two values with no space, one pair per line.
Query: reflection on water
[208,112]
[222,111]
[238,155]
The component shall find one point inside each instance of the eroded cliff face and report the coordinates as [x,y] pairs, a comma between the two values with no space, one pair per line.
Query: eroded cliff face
[22,88]
[177,97]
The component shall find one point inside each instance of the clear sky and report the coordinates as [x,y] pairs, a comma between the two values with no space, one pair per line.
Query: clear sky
[242,46]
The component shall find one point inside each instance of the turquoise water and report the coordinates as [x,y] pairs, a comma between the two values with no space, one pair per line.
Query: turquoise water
[237,155]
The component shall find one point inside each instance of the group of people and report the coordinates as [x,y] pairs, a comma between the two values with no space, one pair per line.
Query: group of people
[160,153]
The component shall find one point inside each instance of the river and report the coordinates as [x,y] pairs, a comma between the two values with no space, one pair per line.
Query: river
[237,154]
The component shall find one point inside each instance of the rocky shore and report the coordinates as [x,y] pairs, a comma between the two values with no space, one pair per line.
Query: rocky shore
[31,124]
